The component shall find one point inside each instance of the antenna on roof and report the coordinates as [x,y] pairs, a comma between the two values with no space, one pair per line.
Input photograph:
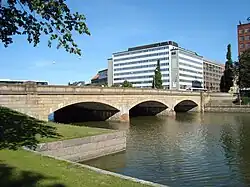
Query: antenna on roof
[240,22]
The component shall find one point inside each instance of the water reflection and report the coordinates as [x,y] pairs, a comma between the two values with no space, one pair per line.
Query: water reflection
[185,150]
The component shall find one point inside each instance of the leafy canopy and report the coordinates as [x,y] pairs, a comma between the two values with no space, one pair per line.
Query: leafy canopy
[127,84]
[244,70]
[36,17]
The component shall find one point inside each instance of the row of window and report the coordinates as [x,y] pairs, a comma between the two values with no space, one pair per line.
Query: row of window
[242,38]
[183,80]
[146,82]
[212,79]
[211,67]
[191,54]
[141,56]
[191,76]
[191,71]
[141,51]
[212,74]
[212,71]
[140,61]
[139,67]
[137,72]
[185,64]
[189,60]
[138,77]
[242,46]
[241,31]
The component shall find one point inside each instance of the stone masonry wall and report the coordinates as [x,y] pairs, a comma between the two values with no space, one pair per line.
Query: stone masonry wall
[229,108]
[82,149]
[40,101]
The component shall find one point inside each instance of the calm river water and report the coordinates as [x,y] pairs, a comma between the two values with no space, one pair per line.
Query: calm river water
[187,150]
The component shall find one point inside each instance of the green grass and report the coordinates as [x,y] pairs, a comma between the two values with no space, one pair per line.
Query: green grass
[22,168]
[70,132]
[30,169]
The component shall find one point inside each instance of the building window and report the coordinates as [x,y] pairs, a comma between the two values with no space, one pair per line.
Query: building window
[240,31]
[247,30]
[247,38]
[248,46]
[241,46]
[241,38]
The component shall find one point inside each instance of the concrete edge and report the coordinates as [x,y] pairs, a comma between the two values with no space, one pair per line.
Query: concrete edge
[87,139]
[101,170]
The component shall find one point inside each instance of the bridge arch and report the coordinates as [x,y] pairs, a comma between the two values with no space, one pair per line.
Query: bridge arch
[147,108]
[83,111]
[185,105]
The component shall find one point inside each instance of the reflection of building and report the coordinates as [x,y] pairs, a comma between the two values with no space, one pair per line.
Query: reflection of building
[8,81]
[101,78]
[179,67]
[243,37]
[212,75]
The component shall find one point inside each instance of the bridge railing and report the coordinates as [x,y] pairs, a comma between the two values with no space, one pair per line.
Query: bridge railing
[61,89]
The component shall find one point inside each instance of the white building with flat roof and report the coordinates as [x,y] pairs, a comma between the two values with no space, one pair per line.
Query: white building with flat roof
[179,67]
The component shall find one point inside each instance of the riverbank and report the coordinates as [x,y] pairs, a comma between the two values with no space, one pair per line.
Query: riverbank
[23,168]
[26,168]
[85,148]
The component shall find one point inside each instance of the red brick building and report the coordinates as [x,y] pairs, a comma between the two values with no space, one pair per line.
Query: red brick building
[243,37]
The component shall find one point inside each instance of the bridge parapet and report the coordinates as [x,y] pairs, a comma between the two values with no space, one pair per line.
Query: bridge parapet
[24,89]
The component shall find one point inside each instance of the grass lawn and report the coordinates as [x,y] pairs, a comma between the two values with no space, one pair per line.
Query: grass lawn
[71,132]
[22,168]
[25,169]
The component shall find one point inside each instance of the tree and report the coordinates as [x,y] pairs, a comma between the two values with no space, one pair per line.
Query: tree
[244,70]
[33,18]
[158,76]
[127,84]
[153,82]
[228,75]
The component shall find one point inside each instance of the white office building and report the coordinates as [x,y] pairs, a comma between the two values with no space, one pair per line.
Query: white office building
[179,67]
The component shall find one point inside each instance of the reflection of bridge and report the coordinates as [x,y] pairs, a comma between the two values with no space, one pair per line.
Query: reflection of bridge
[86,104]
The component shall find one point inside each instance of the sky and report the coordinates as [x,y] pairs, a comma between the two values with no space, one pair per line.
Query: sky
[203,26]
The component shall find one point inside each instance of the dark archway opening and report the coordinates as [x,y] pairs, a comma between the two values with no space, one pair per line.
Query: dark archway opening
[185,106]
[83,112]
[147,108]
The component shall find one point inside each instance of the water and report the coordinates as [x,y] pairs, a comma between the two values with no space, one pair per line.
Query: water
[186,150]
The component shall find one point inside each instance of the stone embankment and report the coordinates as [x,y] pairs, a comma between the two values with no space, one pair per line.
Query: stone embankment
[225,106]
[87,148]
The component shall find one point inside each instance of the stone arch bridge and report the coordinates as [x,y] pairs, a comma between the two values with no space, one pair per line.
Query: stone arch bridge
[94,103]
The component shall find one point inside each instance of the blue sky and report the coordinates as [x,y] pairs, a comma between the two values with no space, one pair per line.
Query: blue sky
[203,26]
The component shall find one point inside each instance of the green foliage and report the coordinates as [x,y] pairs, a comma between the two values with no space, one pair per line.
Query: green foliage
[17,130]
[153,82]
[36,17]
[227,79]
[127,84]
[244,70]
[245,100]
[116,85]
[158,77]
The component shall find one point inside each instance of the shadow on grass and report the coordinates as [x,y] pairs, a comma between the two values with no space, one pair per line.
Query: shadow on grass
[17,130]
[11,177]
